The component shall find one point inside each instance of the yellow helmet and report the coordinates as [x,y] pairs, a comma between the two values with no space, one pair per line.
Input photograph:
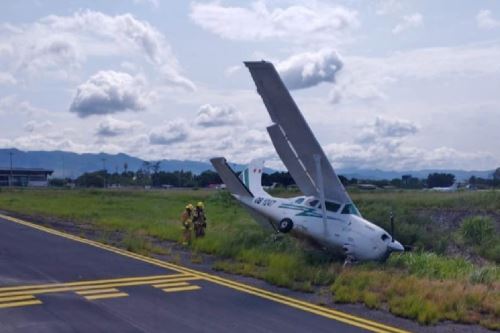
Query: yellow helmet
[189,206]
[199,204]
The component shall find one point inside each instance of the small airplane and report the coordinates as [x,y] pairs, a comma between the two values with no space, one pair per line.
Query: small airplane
[452,188]
[325,213]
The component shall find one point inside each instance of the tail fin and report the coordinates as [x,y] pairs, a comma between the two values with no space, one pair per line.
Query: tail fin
[251,177]
[233,183]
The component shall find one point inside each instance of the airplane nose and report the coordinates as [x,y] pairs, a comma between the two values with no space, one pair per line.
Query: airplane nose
[395,246]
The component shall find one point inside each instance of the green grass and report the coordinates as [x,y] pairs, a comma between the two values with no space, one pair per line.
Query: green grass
[404,284]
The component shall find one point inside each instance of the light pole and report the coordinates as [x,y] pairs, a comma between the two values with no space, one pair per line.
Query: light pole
[105,171]
[11,172]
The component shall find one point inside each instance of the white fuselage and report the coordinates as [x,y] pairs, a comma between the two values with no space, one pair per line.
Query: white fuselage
[349,232]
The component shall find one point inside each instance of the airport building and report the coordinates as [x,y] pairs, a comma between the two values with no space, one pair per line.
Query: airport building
[36,177]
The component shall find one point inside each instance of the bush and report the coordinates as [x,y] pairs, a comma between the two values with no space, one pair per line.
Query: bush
[479,232]
[478,229]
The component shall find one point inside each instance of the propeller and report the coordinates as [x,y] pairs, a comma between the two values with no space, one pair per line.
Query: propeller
[393,232]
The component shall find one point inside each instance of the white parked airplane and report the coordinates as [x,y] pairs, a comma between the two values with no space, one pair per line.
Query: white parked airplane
[325,213]
[452,188]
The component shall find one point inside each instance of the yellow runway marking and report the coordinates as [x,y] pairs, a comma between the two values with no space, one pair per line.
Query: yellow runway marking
[15,304]
[79,288]
[83,283]
[186,288]
[16,298]
[101,296]
[173,284]
[296,303]
[97,291]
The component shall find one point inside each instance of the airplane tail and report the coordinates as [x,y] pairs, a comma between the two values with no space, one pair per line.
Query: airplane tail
[251,177]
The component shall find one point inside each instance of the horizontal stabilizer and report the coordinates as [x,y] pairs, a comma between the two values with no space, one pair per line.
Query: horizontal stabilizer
[233,183]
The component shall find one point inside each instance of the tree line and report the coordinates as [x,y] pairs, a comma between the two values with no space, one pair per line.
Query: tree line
[150,175]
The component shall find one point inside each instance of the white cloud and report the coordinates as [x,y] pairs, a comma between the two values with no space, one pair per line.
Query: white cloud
[57,54]
[171,132]
[386,7]
[112,127]
[296,23]
[404,157]
[109,92]
[37,125]
[386,129]
[485,20]
[310,68]
[217,115]
[45,141]
[12,104]
[232,70]
[154,3]
[384,144]
[61,44]
[7,78]
[365,78]
[409,21]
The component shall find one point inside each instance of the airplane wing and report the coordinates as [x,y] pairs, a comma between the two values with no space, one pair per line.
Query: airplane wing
[302,143]
[292,162]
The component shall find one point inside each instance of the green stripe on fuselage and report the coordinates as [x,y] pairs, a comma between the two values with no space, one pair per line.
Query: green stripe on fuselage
[308,212]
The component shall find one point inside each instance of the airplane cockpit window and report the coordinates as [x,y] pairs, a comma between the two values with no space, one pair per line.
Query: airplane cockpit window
[299,200]
[332,206]
[350,209]
[313,203]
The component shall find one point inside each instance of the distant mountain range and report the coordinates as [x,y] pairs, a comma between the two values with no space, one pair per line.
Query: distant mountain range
[72,165]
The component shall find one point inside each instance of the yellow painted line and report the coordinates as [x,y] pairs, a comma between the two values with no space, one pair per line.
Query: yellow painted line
[16,298]
[79,288]
[97,291]
[306,306]
[174,284]
[175,289]
[94,282]
[101,296]
[16,304]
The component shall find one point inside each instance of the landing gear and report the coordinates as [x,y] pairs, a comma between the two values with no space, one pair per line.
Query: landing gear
[285,225]
[277,236]
[349,261]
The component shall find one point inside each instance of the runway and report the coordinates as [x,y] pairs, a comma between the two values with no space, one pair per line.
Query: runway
[51,281]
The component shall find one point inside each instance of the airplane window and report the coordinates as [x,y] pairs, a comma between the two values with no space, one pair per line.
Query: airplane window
[313,203]
[299,200]
[350,209]
[332,206]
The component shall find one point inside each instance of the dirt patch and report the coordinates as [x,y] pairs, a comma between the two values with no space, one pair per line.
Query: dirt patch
[176,253]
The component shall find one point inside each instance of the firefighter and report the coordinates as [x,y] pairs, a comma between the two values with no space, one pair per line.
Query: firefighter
[200,220]
[187,222]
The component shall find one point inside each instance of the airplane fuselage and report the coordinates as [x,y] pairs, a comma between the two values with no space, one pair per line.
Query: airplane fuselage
[349,232]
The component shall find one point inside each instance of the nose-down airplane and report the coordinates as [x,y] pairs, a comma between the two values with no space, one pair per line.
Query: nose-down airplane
[325,213]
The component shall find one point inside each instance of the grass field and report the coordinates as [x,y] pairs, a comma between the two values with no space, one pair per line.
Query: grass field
[452,274]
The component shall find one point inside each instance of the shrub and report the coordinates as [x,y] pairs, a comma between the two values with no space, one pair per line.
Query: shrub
[478,229]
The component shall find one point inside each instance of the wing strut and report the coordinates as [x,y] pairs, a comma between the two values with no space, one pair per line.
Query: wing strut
[320,185]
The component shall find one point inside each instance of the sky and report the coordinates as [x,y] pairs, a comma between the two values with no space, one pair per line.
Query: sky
[387,84]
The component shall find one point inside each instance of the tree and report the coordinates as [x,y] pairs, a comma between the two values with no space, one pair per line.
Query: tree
[343,180]
[92,179]
[440,180]
[496,174]
[206,178]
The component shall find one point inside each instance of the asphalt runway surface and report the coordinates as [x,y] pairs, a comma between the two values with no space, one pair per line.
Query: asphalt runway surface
[55,282]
